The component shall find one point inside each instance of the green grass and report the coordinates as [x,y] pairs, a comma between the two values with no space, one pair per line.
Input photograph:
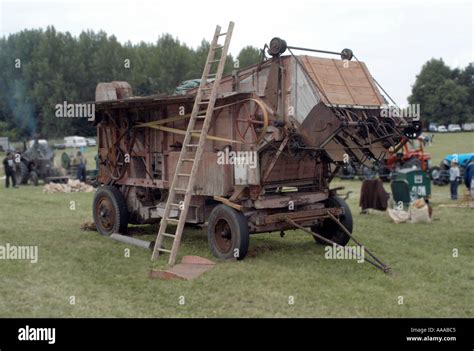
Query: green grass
[105,283]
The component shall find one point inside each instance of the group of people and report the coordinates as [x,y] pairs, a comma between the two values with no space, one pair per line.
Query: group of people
[9,167]
[455,178]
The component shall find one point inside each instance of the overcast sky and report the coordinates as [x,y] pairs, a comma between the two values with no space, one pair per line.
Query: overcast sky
[393,38]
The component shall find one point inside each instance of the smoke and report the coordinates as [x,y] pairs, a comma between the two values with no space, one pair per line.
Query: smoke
[22,109]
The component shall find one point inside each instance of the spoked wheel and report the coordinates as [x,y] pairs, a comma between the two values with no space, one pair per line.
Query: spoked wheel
[110,211]
[115,163]
[330,229]
[252,121]
[228,233]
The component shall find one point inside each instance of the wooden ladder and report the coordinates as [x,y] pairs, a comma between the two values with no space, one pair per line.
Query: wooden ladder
[189,179]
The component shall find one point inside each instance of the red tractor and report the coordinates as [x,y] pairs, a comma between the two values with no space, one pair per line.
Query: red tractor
[410,155]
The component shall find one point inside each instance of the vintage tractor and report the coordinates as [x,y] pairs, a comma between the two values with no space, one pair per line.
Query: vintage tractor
[440,175]
[295,119]
[37,163]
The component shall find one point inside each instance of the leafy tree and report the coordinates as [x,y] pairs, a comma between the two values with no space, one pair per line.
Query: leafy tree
[443,94]
[248,56]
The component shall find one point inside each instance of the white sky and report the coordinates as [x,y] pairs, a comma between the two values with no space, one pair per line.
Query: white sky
[393,38]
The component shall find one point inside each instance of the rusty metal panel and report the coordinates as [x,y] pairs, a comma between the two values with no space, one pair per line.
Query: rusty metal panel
[343,82]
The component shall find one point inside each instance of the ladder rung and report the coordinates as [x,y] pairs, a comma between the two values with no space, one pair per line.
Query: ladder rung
[181,190]
[200,116]
[204,102]
[220,35]
[196,131]
[164,250]
[192,145]
[168,235]
[208,88]
[187,160]
[184,175]
[171,220]
[212,61]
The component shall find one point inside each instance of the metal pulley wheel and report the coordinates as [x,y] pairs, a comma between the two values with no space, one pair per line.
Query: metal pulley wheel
[346,54]
[413,131]
[277,46]
[252,120]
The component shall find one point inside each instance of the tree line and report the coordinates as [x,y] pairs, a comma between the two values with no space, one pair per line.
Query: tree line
[42,68]
[445,95]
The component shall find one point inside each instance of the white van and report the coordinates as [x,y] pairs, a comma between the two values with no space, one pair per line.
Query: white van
[75,141]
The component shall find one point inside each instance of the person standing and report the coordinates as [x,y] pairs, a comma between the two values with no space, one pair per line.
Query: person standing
[454,176]
[468,175]
[9,166]
[81,167]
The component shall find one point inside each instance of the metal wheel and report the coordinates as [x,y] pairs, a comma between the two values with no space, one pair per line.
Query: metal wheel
[223,236]
[228,233]
[115,163]
[110,211]
[252,121]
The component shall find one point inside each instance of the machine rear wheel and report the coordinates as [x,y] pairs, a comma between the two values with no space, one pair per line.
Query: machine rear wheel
[110,211]
[21,173]
[228,233]
[331,230]
[34,179]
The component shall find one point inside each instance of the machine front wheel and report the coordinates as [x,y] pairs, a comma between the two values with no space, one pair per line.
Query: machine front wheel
[330,229]
[228,233]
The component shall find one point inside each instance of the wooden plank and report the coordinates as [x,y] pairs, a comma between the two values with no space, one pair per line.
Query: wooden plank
[228,203]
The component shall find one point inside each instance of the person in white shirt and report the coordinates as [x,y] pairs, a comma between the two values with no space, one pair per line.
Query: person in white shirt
[454,176]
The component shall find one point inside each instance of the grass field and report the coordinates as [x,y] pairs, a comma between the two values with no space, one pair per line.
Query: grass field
[105,283]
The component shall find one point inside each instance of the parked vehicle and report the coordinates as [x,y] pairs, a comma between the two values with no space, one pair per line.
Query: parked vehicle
[59,146]
[75,141]
[442,129]
[91,142]
[37,162]
[440,175]
[468,127]
[454,128]
[433,127]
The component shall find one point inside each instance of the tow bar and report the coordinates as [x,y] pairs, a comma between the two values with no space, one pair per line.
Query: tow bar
[376,262]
